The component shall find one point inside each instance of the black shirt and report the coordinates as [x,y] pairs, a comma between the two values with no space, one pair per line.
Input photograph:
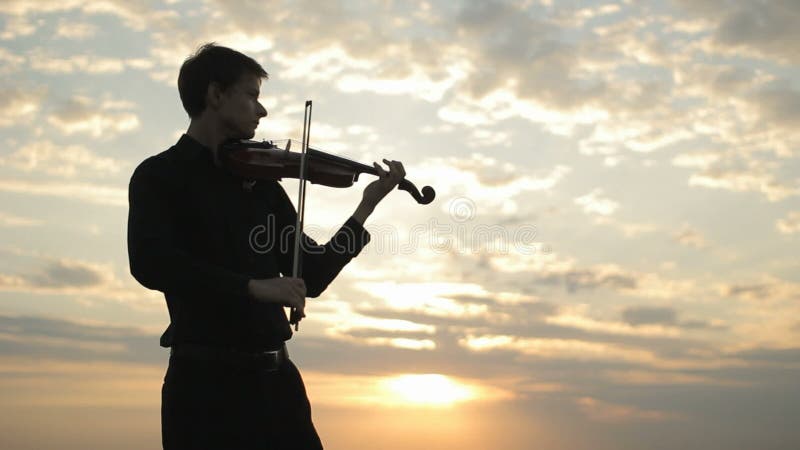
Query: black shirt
[199,234]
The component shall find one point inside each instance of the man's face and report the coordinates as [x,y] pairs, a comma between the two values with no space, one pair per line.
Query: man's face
[239,110]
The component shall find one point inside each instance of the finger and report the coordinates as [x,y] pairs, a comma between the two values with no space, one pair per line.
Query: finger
[296,316]
[396,172]
[402,169]
[391,168]
[381,173]
[395,166]
[401,172]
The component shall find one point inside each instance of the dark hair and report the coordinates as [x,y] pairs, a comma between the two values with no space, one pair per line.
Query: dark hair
[212,63]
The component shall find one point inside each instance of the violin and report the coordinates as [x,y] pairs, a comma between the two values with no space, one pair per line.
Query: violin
[258,160]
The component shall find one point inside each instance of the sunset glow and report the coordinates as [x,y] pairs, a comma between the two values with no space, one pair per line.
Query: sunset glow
[427,390]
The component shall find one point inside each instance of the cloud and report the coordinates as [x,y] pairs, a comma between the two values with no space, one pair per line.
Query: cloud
[606,350]
[136,15]
[661,378]
[745,110]
[391,58]
[690,237]
[789,224]
[757,29]
[59,275]
[502,104]
[578,16]
[648,315]
[602,411]
[639,316]
[16,27]
[81,114]
[26,326]
[778,105]
[762,28]
[765,311]
[342,323]
[81,280]
[480,181]
[68,274]
[20,105]
[608,276]
[594,203]
[546,269]
[10,62]
[628,229]
[755,178]
[599,327]
[75,30]
[23,7]
[418,83]
[86,192]
[429,298]
[788,354]
[696,160]
[67,340]
[10,220]
[45,61]
[66,161]
[769,290]
[549,348]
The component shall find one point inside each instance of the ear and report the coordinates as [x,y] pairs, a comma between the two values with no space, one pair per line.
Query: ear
[214,95]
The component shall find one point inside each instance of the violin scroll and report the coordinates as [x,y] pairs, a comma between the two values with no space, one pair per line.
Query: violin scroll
[427,196]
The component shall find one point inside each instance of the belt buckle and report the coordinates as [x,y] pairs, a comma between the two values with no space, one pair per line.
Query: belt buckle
[271,359]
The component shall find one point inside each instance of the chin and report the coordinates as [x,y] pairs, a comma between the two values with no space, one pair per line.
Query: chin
[246,134]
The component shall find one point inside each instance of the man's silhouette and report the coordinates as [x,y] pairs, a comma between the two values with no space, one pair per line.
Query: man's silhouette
[230,383]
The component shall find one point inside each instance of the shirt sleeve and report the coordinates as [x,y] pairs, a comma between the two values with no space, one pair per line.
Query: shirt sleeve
[320,263]
[156,260]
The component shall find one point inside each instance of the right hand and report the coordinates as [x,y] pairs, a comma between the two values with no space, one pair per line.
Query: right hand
[286,291]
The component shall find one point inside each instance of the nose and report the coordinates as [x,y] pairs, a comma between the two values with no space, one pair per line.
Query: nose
[262,112]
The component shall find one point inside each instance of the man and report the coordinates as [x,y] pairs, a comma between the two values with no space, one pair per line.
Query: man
[191,229]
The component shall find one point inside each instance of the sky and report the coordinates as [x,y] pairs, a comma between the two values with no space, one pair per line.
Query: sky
[610,261]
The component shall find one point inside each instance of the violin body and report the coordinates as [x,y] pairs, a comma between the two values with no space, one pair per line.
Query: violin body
[266,161]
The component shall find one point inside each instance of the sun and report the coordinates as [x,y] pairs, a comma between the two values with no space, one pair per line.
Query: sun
[427,390]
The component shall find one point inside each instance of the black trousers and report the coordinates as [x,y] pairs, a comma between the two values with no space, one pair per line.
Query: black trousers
[209,405]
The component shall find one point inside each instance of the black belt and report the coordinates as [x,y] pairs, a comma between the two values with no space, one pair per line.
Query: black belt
[269,360]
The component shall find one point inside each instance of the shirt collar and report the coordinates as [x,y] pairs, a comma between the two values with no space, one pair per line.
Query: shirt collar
[191,150]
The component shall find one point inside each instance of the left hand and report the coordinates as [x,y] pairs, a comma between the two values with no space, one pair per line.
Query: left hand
[377,190]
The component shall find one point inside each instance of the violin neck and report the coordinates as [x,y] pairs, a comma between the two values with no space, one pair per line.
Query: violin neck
[362,168]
